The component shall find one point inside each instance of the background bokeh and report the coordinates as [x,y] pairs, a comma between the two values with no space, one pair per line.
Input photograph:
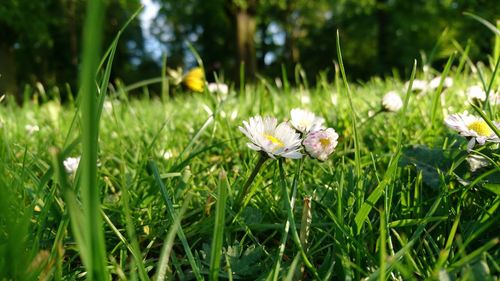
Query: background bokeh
[41,40]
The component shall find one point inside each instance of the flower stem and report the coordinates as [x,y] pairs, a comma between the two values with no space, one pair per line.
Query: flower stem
[371,117]
[289,204]
[263,157]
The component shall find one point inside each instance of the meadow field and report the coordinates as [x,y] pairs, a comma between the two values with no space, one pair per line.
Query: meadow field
[395,178]
[400,198]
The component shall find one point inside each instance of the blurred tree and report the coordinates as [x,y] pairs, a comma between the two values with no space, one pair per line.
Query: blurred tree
[41,42]
[377,35]
[40,39]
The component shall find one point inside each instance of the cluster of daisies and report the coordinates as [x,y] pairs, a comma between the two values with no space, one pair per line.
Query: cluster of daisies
[303,134]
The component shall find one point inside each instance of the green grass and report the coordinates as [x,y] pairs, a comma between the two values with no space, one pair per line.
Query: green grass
[162,192]
[432,216]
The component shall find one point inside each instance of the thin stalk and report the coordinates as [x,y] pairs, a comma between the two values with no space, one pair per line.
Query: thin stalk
[284,237]
[250,179]
[357,147]
[291,219]
[370,118]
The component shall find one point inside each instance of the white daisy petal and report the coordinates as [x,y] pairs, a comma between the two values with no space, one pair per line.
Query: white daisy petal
[392,102]
[305,121]
[71,164]
[476,94]
[218,88]
[471,126]
[277,140]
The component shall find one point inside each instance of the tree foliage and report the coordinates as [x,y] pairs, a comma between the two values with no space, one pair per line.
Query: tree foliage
[378,35]
[40,41]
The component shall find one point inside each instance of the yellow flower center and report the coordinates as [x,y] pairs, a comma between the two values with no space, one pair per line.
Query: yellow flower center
[325,142]
[274,140]
[480,127]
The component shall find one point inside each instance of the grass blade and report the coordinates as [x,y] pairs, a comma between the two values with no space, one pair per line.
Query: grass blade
[92,226]
[354,126]
[379,190]
[291,220]
[484,22]
[169,241]
[171,211]
[218,234]
[436,101]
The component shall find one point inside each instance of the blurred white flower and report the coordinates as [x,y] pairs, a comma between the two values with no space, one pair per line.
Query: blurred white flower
[334,99]
[234,115]
[320,144]
[418,85]
[71,164]
[30,129]
[278,82]
[305,121]
[276,140]
[52,109]
[477,162]
[434,84]
[392,102]
[475,94]
[108,106]
[471,126]
[218,88]
[167,154]
[305,99]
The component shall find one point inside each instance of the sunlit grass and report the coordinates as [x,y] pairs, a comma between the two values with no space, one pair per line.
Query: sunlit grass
[162,191]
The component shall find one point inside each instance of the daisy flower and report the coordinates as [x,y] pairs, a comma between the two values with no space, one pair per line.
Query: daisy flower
[434,84]
[108,106]
[305,121]
[31,129]
[418,85]
[475,94]
[471,126]
[71,164]
[195,80]
[392,102]
[218,88]
[320,144]
[275,140]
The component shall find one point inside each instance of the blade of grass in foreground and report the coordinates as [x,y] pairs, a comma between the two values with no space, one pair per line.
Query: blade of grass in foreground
[217,237]
[169,241]
[357,153]
[110,54]
[408,246]
[92,226]
[391,170]
[436,101]
[154,169]
[291,219]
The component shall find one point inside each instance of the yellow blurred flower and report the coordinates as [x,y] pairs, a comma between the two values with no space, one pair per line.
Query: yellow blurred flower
[195,79]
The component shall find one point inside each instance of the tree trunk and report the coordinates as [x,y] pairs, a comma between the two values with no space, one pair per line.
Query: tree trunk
[8,79]
[245,32]
[292,33]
